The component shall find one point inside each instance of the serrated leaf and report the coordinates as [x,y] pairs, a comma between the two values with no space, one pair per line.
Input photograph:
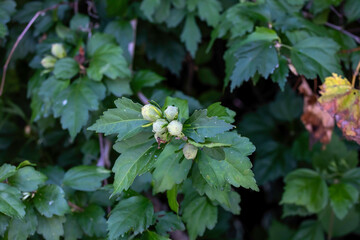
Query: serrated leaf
[92,221]
[125,120]
[172,198]
[6,170]
[171,168]
[309,230]
[316,56]
[198,215]
[51,228]
[97,41]
[168,222]
[10,203]
[209,11]
[191,34]
[4,223]
[50,200]
[352,10]
[145,78]
[131,163]
[134,214]
[72,230]
[149,235]
[22,229]
[74,103]
[108,60]
[201,126]
[66,68]
[80,22]
[149,7]
[306,188]
[85,178]
[223,113]
[27,179]
[342,198]
[281,72]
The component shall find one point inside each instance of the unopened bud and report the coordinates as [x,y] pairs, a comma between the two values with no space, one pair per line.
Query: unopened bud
[171,113]
[190,151]
[48,62]
[150,112]
[161,137]
[58,50]
[175,128]
[159,125]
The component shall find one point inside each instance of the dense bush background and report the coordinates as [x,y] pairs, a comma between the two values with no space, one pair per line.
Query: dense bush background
[249,55]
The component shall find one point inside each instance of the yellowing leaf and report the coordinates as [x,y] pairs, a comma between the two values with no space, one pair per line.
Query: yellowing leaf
[342,100]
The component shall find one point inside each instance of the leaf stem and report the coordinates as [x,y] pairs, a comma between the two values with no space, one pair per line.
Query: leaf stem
[20,37]
[285,46]
[331,225]
[355,74]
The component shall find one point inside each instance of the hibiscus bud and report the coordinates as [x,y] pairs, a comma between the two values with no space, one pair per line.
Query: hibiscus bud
[150,112]
[190,151]
[58,50]
[171,113]
[48,62]
[175,128]
[159,125]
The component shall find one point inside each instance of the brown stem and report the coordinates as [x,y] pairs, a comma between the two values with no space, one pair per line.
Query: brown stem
[355,74]
[75,207]
[350,50]
[340,29]
[20,37]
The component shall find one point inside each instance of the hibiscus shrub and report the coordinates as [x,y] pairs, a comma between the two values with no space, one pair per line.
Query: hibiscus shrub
[171,119]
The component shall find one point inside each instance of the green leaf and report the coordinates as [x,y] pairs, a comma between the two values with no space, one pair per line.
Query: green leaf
[50,200]
[168,222]
[108,60]
[97,41]
[352,176]
[3,30]
[281,72]
[306,187]
[85,178]
[201,126]
[171,168]
[119,87]
[6,170]
[145,78]
[223,113]
[279,230]
[131,163]
[316,56]
[342,198]
[182,105]
[198,215]
[80,22]
[51,228]
[191,34]
[10,203]
[172,198]
[149,7]
[134,214]
[123,33]
[66,68]
[209,11]
[92,221]
[352,10]
[74,103]
[4,223]
[125,120]
[27,179]
[72,230]
[22,229]
[309,230]
[149,235]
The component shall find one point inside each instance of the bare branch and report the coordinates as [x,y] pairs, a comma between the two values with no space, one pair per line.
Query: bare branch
[340,29]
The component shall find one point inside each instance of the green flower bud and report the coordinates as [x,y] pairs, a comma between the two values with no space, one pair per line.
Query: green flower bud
[48,62]
[171,113]
[150,112]
[161,137]
[159,125]
[190,151]
[175,128]
[58,50]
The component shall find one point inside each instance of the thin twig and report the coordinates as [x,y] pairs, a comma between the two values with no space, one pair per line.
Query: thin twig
[131,45]
[75,207]
[355,74]
[20,37]
[340,29]
[336,12]
[350,50]
[142,98]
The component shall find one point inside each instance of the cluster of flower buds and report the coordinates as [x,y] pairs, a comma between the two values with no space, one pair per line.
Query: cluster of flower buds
[58,51]
[165,125]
